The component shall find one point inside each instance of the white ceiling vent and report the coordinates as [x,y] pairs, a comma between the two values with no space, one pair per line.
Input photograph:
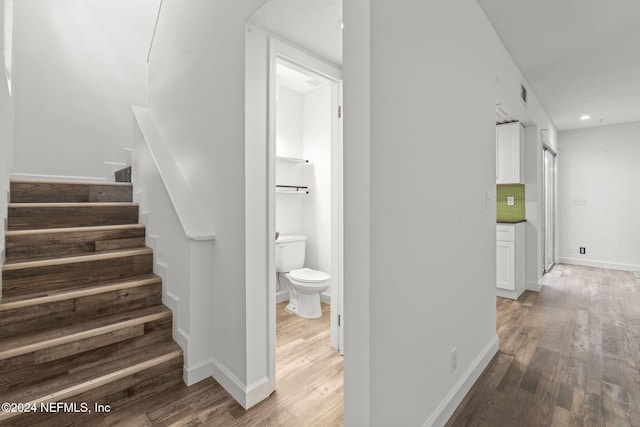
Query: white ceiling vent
[523,94]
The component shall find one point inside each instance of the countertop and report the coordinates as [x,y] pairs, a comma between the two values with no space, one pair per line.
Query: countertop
[510,221]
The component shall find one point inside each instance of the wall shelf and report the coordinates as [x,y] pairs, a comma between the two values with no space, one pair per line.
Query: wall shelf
[292,159]
[292,189]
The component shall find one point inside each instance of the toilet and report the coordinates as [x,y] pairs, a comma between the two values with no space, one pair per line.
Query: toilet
[305,284]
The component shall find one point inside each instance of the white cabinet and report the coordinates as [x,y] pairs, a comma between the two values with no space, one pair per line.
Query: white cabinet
[510,153]
[505,265]
[510,260]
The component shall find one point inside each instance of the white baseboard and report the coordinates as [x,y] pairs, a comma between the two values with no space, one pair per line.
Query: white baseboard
[599,264]
[196,373]
[57,177]
[446,408]
[325,298]
[246,396]
[505,293]
[282,296]
[259,390]
[151,240]
[229,382]
[534,286]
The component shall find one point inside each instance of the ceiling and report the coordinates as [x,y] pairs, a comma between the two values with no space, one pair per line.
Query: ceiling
[579,56]
[312,24]
[297,79]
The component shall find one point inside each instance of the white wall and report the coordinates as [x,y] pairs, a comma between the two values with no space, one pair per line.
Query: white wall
[600,166]
[289,123]
[6,159]
[408,65]
[290,208]
[430,235]
[533,214]
[7,113]
[79,66]
[197,86]
[317,148]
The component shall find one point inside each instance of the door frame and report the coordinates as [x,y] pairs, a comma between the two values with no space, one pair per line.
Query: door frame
[282,51]
[548,241]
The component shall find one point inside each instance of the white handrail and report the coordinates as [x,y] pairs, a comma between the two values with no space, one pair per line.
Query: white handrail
[192,217]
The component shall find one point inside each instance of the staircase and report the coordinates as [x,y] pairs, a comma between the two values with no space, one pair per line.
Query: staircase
[81,315]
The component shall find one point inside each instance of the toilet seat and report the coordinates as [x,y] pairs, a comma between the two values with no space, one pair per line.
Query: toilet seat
[308,275]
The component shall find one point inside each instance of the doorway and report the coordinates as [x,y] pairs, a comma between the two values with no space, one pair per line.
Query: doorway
[317,210]
[548,208]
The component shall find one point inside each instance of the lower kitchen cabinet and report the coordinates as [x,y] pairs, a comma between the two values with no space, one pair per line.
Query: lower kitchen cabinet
[510,260]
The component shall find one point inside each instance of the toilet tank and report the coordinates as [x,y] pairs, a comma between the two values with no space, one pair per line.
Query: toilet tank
[290,252]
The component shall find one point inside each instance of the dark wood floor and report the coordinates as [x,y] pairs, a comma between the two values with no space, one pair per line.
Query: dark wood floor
[569,355]
[309,389]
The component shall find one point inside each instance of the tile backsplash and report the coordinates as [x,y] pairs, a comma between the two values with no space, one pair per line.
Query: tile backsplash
[505,212]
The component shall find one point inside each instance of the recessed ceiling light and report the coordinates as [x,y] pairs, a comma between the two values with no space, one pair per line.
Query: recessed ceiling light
[585,117]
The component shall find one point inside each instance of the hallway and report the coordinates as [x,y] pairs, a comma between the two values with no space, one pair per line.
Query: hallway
[569,356]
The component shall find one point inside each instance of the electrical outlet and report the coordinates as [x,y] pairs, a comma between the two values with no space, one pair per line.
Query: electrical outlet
[454,359]
[510,201]
[569,250]
[583,250]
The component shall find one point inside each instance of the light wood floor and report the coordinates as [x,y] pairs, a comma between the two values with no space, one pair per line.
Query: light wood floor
[309,388]
[569,356]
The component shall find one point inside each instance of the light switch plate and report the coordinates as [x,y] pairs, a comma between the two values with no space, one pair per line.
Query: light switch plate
[510,201]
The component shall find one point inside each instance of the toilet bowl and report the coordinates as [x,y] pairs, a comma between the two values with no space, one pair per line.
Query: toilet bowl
[305,286]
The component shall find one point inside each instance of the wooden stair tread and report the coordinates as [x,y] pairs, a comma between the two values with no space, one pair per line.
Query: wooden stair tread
[82,314]
[43,215]
[67,182]
[19,265]
[12,233]
[83,379]
[68,204]
[12,347]
[45,243]
[64,191]
[43,260]
[12,303]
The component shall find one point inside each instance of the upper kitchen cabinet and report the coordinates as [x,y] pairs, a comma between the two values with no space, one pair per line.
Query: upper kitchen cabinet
[510,153]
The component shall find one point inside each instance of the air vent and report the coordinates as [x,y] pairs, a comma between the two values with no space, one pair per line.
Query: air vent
[523,93]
